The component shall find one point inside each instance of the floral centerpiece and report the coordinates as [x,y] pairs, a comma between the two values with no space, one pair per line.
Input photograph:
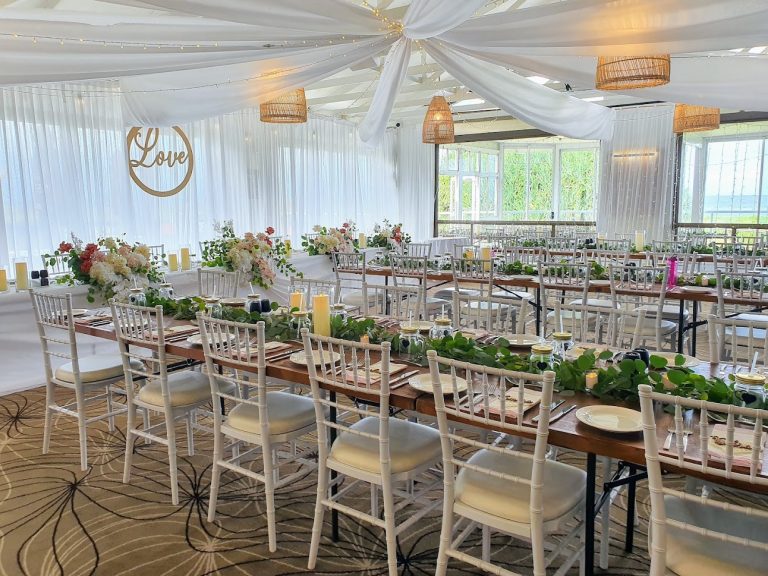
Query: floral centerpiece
[256,255]
[388,235]
[330,240]
[110,266]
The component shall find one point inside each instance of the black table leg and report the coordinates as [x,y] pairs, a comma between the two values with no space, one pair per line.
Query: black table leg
[334,487]
[630,533]
[695,325]
[589,521]
[538,311]
[680,327]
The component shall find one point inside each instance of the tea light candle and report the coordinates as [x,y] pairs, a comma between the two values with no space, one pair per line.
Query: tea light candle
[601,235]
[296,300]
[364,339]
[321,315]
[704,280]
[639,240]
[362,241]
[173,262]
[591,379]
[22,276]
[186,264]
[3,280]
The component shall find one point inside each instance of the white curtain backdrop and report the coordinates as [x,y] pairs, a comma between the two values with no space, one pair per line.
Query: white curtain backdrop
[416,181]
[637,177]
[63,168]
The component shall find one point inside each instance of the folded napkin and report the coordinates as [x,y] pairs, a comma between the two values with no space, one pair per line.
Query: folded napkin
[92,319]
[531,398]
[743,441]
[375,372]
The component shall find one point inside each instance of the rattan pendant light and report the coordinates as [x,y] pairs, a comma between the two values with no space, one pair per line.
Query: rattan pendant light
[695,118]
[289,108]
[629,72]
[438,123]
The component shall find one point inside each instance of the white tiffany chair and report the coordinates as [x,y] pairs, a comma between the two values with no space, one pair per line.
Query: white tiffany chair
[619,246]
[176,395]
[417,249]
[739,293]
[414,270]
[380,450]
[266,420]
[690,535]
[55,265]
[218,283]
[91,378]
[499,316]
[312,287]
[562,283]
[738,341]
[497,488]
[400,302]
[350,271]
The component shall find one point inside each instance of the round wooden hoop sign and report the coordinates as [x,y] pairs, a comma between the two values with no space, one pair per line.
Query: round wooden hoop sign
[146,143]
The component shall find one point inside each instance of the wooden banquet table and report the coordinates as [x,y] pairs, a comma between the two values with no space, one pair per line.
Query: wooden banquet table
[567,432]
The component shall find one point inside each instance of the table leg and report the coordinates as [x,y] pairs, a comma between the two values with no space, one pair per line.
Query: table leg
[589,521]
[630,534]
[680,326]
[538,311]
[694,325]
[334,487]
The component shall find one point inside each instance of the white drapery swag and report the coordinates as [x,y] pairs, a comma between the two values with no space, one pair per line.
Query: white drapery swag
[638,164]
[64,160]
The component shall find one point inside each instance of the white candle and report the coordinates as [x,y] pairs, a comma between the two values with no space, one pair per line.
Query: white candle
[22,276]
[591,378]
[186,263]
[640,240]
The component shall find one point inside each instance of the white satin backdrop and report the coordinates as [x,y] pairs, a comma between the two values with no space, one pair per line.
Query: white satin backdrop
[637,177]
[66,166]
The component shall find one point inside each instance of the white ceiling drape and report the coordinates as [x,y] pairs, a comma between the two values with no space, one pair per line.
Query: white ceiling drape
[208,58]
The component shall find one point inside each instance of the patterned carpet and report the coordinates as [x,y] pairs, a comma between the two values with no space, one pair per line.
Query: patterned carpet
[58,520]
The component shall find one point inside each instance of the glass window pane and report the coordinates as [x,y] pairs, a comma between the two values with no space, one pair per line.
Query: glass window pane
[446,198]
[453,159]
[487,208]
[540,199]
[493,163]
[469,161]
[732,177]
[577,185]
[513,191]
[467,191]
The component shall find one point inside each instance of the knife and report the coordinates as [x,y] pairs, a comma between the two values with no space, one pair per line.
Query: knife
[554,406]
[562,413]
[402,379]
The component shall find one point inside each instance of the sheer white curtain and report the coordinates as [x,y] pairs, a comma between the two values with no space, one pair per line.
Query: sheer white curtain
[637,173]
[416,181]
[63,168]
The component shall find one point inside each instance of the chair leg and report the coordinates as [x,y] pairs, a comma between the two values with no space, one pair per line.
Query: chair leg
[605,519]
[389,527]
[445,538]
[130,441]
[170,425]
[49,394]
[269,493]
[218,440]
[486,552]
[374,500]
[110,410]
[317,524]
[81,416]
[190,436]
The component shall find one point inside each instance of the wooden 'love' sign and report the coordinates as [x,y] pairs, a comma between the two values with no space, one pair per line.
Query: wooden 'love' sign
[143,153]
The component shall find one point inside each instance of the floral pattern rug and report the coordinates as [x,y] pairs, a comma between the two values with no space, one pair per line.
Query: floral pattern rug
[58,520]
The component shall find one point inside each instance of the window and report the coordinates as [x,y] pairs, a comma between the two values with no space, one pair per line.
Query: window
[723,175]
[518,181]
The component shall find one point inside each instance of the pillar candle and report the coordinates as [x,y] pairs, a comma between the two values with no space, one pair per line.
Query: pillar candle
[22,276]
[640,240]
[296,300]
[288,249]
[321,315]
[362,241]
[185,262]
[173,262]
[485,254]
[364,339]
[3,280]
[601,236]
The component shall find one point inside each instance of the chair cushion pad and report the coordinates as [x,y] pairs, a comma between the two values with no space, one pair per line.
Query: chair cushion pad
[286,413]
[186,387]
[95,368]
[694,555]
[598,302]
[564,487]
[411,446]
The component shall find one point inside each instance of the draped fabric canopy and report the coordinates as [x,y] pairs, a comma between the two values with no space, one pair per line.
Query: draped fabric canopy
[207,58]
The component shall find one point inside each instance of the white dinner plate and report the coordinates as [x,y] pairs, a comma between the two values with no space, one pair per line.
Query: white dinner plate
[611,418]
[600,282]
[521,276]
[696,289]
[76,312]
[197,339]
[522,340]
[690,361]
[421,325]
[301,358]
[233,301]
[423,383]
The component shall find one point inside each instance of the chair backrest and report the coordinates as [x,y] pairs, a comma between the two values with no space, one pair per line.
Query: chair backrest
[409,269]
[401,302]
[606,258]
[55,265]
[501,316]
[639,294]
[731,451]
[462,250]
[743,289]
[313,286]
[138,327]
[417,249]
[53,315]
[530,256]
[240,347]
[687,263]
[347,367]
[735,263]
[217,283]
[620,246]
[157,252]
[474,271]
[738,341]
[678,247]
[495,399]
[349,265]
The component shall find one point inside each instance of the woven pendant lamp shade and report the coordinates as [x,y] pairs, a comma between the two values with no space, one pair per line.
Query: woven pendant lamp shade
[695,118]
[289,108]
[629,72]
[438,123]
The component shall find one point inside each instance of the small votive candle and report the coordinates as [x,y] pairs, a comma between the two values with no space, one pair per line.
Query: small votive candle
[173,262]
[186,263]
[364,339]
[3,280]
[591,379]
[22,276]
